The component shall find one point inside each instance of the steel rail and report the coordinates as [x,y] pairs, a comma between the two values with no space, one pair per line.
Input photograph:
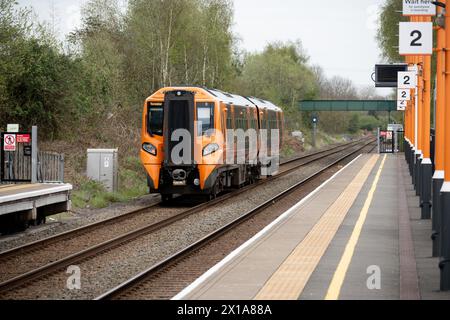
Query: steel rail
[215,234]
[38,244]
[134,234]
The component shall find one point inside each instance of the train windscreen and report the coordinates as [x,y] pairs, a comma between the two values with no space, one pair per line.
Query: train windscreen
[155,120]
[205,117]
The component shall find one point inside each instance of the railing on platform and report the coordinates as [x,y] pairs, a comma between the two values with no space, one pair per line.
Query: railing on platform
[390,141]
[21,162]
[50,167]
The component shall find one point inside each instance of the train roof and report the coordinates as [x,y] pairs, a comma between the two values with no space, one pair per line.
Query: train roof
[229,98]
[226,97]
[243,101]
[264,104]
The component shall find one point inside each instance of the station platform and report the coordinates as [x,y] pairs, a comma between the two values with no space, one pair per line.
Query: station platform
[31,198]
[358,236]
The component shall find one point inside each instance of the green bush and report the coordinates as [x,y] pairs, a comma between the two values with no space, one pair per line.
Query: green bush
[132,184]
[354,123]
[369,123]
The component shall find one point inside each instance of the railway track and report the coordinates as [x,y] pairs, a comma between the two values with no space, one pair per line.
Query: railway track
[46,267]
[143,285]
[39,244]
[139,216]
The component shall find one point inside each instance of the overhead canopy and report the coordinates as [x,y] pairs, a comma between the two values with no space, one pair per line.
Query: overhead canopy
[348,105]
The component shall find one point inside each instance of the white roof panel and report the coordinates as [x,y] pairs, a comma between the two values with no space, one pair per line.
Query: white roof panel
[264,104]
[230,98]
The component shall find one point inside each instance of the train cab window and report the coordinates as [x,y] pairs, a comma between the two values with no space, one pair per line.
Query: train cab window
[205,117]
[155,120]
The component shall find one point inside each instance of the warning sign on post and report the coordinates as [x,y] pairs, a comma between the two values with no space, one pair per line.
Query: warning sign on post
[9,142]
[23,138]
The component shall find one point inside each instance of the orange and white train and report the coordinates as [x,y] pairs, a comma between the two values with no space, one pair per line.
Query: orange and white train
[207,115]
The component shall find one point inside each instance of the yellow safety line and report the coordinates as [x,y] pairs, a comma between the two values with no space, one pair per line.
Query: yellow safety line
[341,271]
[289,280]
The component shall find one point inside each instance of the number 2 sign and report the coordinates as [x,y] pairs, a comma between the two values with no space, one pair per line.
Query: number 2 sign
[404,94]
[401,105]
[416,38]
[406,80]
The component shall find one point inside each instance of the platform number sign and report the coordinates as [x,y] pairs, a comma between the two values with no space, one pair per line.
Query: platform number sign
[407,80]
[404,94]
[401,105]
[416,38]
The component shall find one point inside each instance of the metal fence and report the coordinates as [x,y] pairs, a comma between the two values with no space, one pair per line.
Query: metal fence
[22,162]
[15,166]
[390,141]
[50,167]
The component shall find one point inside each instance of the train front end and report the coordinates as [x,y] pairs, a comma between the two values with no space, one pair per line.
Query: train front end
[179,148]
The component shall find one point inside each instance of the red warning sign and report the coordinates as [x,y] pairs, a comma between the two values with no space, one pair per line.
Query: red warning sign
[9,142]
[23,138]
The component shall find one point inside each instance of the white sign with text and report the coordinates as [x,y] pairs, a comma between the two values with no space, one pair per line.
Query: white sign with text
[401,105]
[407,80]
[418,8]
[404,94]
[416,38]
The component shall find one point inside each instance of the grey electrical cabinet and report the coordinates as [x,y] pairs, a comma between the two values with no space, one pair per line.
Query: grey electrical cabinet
[102,166]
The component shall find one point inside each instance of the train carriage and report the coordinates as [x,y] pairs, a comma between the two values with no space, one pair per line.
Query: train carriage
[185,147]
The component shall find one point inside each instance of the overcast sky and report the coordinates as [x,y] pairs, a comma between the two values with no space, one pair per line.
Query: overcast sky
[337,35]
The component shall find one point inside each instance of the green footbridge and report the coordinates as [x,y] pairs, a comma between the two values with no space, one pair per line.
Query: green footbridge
[348,105]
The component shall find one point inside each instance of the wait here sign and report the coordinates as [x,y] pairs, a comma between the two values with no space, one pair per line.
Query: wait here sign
[418,8]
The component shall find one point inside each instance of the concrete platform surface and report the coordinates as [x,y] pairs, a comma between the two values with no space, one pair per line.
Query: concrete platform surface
[358,236]
[21,197]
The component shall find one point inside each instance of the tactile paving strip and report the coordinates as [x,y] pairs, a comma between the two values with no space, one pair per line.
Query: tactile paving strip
[290,279]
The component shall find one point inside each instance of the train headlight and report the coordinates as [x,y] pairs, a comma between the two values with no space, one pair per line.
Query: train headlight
[148,147]
[210,148]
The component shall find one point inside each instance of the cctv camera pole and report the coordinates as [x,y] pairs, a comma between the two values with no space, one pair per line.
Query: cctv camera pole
[444,264]
[427,166]
[438,177]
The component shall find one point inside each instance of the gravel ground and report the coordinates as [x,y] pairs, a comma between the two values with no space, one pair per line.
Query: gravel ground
[26,261]
[81,217]
[73,220]
[31,259]
[100,273]
[174,278]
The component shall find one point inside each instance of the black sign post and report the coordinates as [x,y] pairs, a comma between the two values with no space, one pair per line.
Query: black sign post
[386,74]
[314,120]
